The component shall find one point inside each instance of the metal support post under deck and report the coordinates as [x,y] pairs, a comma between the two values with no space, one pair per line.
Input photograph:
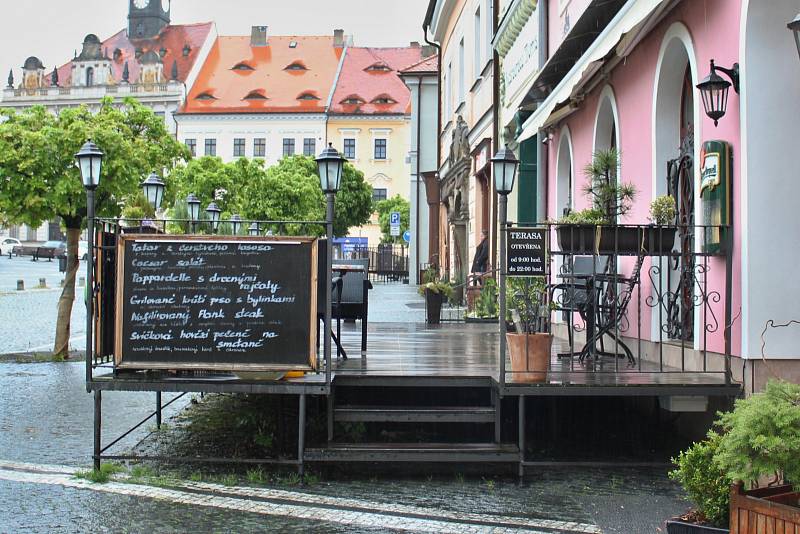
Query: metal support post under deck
[521,438]
[301,435]
[330,409]
[158,410]
[98,423]
[497,401]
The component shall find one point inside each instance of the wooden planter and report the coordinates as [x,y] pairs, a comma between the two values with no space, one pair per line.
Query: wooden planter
[530,356]
[775,509]
[625,240]
[433,306]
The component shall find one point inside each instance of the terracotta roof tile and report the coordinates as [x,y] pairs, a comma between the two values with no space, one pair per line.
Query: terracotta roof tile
[364,77]
[173,39]
[429,65]
[282,88]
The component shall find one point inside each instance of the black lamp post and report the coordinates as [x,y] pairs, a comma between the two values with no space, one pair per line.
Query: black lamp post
[330,165]
[254,229]
[214,214]
[795,27]
[504,169]
[236,223]
[193,204]
[153,188]
[714,90]
[90,163]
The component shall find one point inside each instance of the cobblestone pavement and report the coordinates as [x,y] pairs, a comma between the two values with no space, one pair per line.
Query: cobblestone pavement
[392,302]
[30,272]
[28,321]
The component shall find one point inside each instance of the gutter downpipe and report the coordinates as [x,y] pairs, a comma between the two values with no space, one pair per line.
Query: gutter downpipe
[416,213]
[438,48]
[542,147]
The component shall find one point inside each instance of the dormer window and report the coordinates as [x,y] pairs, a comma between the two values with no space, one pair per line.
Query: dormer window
[384,100]
[296,66]
[117,55]
[352,100]
[162,52]
[187,50]
[378,67]
[292,44]
[243,67]
[258,94]
[205,96]
[307,96]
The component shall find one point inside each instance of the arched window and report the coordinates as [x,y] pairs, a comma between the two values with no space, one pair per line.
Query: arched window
[89,77]
[564,169]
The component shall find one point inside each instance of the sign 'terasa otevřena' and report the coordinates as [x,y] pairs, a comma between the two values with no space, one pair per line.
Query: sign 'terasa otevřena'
[218,303]
[526,252]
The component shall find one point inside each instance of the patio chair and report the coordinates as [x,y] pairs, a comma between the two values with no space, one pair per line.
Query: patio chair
[612,308]
[575,294]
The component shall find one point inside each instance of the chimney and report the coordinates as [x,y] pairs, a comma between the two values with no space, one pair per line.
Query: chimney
[428,51]
[258,37]
[338,38]
[414,44]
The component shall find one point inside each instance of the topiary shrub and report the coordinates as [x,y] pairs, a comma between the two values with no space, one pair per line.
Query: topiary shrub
[761,439]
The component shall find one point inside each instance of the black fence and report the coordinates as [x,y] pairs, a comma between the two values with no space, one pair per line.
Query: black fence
[387,263]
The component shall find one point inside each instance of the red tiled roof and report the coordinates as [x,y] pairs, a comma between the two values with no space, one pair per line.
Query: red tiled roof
[173,39]
[269,76]
[429,65]
[357,80]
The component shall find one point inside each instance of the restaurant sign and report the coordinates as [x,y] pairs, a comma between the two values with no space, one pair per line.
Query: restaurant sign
[520,65]
[526,252]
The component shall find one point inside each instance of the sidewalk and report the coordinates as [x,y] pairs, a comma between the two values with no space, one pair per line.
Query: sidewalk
[394,302]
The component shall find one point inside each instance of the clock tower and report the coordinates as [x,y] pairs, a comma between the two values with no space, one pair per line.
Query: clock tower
[146,18]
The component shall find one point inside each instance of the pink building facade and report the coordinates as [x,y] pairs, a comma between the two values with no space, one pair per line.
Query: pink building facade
[634,89]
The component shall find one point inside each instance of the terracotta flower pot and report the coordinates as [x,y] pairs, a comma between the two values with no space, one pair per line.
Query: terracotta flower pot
[530,356]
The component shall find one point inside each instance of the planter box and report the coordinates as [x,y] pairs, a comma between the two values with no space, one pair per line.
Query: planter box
[530,356]
[676,526]
[433,306]
[775,509]
[624,240]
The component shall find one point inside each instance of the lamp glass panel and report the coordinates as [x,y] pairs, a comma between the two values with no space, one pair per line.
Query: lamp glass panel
[97,164]
[86,171]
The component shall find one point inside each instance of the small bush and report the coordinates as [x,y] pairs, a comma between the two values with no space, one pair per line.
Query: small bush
[707,486]
[662,210]
[761,439]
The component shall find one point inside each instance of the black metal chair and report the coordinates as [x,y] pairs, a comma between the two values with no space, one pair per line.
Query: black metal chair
[612,308]
[576,293]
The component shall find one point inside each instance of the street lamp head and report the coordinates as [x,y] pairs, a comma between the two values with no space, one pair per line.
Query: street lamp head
[794,26]
[214,214]
[153,188]
[504,168]
[330,164]
[714,90]
[194,206]
[90,161]
[254,229]
[236,223]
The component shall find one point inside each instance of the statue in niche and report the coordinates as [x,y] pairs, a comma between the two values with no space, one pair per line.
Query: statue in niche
[459,147]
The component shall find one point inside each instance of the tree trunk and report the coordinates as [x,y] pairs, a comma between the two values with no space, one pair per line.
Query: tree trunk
[61,347]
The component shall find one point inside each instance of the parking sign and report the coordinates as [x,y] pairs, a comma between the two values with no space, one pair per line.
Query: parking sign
[395,219]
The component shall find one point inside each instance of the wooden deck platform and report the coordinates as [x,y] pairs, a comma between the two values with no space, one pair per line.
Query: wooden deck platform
[448,355]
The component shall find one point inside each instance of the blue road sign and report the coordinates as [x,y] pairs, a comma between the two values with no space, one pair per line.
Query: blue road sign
[407,236]
[395,219]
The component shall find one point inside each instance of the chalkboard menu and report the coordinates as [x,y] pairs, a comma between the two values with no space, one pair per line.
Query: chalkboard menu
[526,252]
[216,303]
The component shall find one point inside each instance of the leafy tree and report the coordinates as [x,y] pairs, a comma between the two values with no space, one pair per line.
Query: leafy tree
[211,180]
[290,191]
[385,209]
[41,181]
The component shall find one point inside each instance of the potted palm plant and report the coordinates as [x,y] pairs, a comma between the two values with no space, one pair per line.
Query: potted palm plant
[529,346]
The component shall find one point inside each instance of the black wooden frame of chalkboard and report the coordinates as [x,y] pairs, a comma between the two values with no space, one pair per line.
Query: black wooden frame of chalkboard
[124,363]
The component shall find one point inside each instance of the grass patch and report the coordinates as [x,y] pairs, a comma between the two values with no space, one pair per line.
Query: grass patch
[256,476]
[102,475]
[196,476]
[228,480]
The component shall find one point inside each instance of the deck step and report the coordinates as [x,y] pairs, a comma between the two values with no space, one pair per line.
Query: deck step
[415,452]
[415,414]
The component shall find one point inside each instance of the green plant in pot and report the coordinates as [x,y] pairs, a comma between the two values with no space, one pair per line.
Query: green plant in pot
[435,290]
[530,345]
[756,446]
